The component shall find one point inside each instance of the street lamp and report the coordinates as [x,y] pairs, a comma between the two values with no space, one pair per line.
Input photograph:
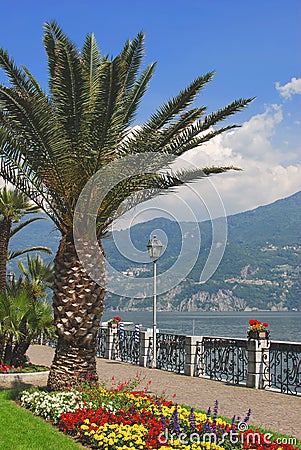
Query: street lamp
[154,248]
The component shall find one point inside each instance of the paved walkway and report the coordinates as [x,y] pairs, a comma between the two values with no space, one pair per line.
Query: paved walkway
[270,410]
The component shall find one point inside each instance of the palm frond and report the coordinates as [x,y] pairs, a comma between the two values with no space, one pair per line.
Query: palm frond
[91,62]
[23,224]
[186,119]
[17,253]
[178,104]
[110,113]
[223,113]
[16,170]
[30,121]
[15,75]
[191,138]
[36,269]
[132,54]
[189,175]
[33,81]
[138,189]
[137,92]
[66,81]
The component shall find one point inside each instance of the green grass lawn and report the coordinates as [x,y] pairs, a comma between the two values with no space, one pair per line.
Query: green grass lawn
[21,430]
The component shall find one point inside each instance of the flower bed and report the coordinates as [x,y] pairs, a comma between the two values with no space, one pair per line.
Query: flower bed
[29,368]
[121,419]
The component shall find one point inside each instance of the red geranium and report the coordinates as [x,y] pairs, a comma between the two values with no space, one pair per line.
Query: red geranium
[117,319]
[256,325]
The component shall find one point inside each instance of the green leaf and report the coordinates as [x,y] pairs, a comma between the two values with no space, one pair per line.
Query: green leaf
[17,253]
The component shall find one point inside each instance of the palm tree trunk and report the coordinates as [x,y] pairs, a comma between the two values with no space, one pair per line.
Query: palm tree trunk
[8,350]
[5,229]
[3,340]
[18,357]
[78,306]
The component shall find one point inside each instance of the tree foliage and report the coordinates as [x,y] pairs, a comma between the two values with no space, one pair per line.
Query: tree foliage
[52,143]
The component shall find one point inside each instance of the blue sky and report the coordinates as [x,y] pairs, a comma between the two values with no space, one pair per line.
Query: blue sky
[252,45]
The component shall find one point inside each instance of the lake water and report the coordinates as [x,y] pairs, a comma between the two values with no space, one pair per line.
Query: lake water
[284,326]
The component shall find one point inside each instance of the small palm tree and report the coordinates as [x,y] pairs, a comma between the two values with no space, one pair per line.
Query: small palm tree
[24,311]
[22,319]
[13,206]
[53,143]
[36,277]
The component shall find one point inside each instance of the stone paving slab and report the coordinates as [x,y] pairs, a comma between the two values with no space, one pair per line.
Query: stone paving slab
[270,410]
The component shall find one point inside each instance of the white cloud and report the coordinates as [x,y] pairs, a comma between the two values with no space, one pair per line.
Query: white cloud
[269,171]
[290,88]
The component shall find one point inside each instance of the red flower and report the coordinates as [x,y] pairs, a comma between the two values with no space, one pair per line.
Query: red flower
[265,324]
[253,322]
[117,319]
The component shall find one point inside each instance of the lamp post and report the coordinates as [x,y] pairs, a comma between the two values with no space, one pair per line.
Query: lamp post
[154,248]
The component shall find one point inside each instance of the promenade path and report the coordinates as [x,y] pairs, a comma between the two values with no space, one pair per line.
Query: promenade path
[270,410]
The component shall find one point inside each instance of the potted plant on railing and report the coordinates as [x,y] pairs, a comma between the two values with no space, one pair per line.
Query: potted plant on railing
[113,323]
[258,330]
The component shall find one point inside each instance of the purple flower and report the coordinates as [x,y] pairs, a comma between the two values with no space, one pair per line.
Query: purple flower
[191,419]
[215,411]
[233,423]
[176,421]
[163,421]
[247,418]
[209,412]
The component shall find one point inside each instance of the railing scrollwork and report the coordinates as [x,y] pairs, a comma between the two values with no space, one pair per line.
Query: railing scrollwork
[171,352]
[282,367]
[222,359]
[126,346]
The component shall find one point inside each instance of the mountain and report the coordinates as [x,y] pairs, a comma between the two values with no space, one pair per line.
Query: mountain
[260,267]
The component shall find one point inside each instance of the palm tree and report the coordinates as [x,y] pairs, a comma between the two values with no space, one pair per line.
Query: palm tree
[22,319]
[24,311]
[52,143]
[13,206]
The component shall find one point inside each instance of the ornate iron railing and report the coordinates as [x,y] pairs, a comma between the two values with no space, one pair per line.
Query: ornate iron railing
[222,359]
[171,352]
[126,346]
[217,358]
[101,343]
[282,367]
